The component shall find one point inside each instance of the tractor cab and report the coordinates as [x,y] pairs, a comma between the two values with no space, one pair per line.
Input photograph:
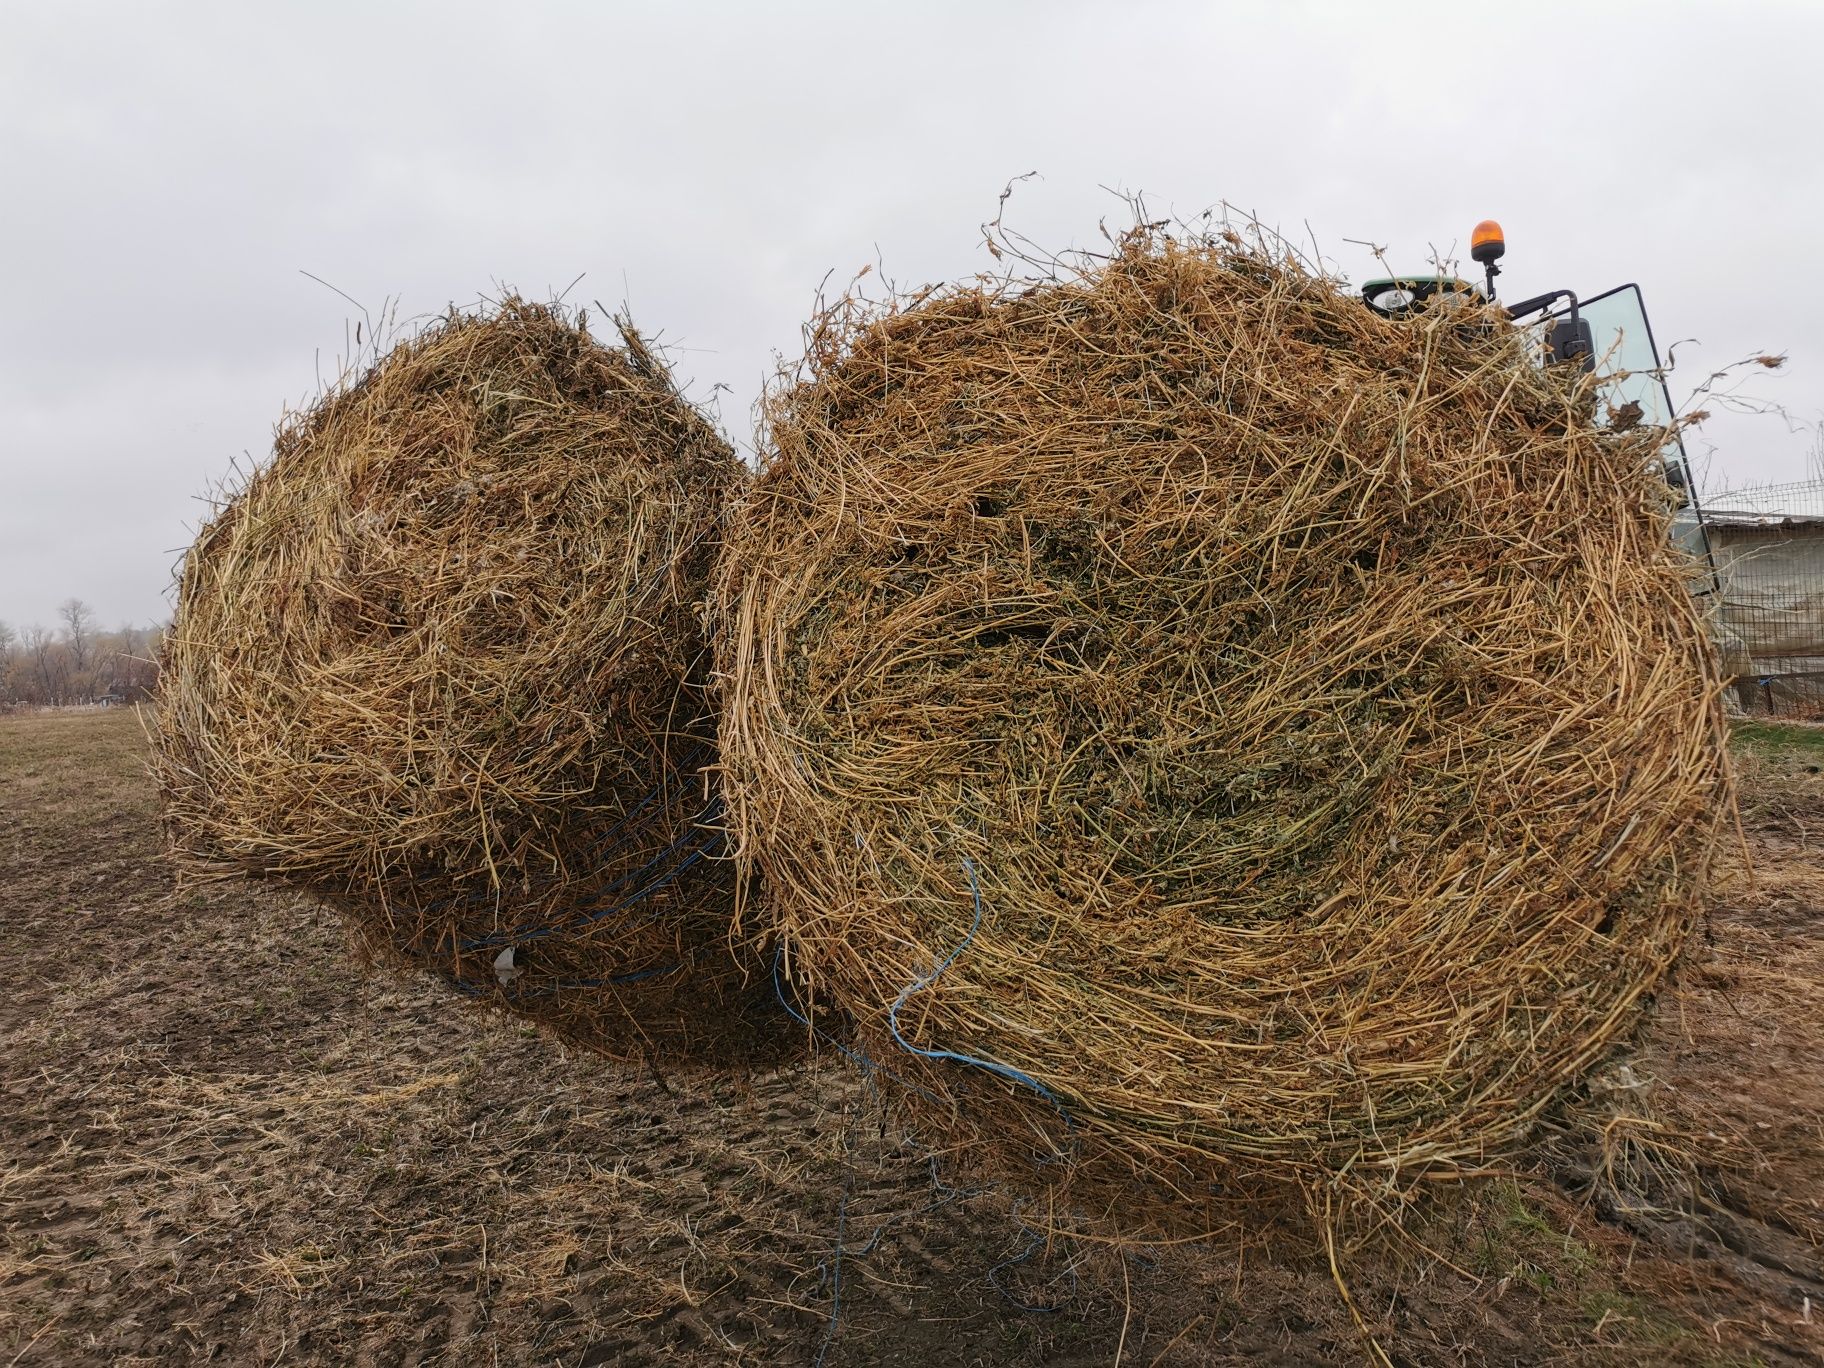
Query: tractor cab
[1608,333]
[1398,296]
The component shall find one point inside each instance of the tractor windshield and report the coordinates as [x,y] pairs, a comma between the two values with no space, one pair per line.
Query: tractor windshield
[1627,363]
[1627,360]
[1624,350]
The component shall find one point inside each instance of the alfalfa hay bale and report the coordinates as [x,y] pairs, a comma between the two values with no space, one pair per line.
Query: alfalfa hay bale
[439,661]
[1203,731]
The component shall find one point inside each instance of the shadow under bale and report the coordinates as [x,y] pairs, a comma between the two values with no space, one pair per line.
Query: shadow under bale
[1220,747]
[439,661]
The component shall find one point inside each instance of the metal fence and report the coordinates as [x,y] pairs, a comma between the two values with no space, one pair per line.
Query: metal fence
[1767,600]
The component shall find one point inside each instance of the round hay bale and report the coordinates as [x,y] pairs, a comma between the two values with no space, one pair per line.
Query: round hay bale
[1196,726]
[439,661]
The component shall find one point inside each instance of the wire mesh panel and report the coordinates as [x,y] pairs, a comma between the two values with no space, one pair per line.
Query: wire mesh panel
[1768,548]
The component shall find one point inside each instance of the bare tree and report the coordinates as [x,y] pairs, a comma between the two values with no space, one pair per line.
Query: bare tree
[123,667]
[78,628]
[41,647]
[39,666]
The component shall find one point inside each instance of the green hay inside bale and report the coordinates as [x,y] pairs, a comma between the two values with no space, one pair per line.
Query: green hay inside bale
[439,661]
[1203,733]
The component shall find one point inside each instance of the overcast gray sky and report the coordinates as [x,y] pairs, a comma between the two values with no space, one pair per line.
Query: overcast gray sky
[167,171]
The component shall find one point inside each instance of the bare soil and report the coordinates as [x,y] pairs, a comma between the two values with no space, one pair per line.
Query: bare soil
[222,1140]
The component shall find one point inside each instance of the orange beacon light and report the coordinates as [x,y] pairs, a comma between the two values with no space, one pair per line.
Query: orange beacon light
[1487,244]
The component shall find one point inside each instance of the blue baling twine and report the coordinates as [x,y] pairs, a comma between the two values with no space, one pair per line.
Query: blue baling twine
[832,1267]
[1013,1261]
[607,843]
[638,976]
[1006,1071]
[859,1058]
[709,841]
[531,931]
[869,1067]
[835,1275]
[468,989]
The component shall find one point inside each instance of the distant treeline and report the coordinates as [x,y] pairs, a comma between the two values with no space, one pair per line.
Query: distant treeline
[76,662]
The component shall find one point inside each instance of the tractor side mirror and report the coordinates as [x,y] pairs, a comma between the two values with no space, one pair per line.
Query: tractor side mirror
[1571,339]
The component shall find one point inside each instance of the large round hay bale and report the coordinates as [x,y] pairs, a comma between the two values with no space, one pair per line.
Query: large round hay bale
[440,662]
[1192,723]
